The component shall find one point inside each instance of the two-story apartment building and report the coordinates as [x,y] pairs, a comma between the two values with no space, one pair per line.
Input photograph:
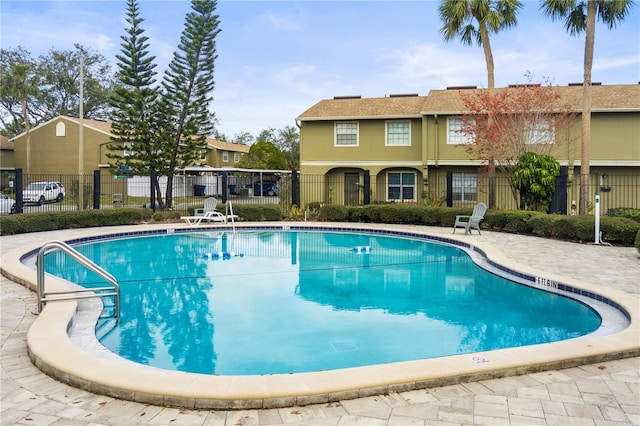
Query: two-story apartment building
[409,143]
[54,148]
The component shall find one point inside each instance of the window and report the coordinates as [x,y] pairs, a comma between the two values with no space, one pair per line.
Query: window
[540,131]
[346,134]
[455,135]
[398,133]
[127,149]
[401,186]
[225,156]
[61,129]
[465,187]
[236,157]
[203,154]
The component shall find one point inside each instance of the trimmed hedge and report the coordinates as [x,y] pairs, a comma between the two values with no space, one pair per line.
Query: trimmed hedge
[615,230]
[51,221]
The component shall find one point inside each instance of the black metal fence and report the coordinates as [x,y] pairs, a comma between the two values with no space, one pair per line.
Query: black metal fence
[99,191]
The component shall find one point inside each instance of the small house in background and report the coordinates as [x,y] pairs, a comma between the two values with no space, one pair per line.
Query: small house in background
[54,152]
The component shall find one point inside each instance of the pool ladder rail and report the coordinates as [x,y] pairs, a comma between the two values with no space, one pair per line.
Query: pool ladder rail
[113,290]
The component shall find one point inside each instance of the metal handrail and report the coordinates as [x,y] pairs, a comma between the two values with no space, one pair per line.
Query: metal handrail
[81,293]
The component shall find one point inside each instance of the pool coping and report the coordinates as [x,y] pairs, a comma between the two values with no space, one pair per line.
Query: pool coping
[53,352]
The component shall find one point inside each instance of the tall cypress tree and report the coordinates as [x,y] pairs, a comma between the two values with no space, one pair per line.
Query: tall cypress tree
[135,148]
[188,85]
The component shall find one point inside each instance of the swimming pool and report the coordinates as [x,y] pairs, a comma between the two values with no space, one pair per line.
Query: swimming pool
[277,302]
[61,341]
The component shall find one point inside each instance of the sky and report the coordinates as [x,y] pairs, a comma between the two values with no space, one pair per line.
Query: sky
[278,58]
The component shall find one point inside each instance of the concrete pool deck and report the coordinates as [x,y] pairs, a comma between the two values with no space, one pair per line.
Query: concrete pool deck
[589,394]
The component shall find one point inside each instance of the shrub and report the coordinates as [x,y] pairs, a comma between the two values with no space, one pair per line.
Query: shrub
[50,221]
[256,212]
[625,212]
[619,230]
[638,241]
[334,213]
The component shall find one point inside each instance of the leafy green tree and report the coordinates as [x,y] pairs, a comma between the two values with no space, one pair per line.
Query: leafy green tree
[188,83]
[263,155]
[55,75]
[287,140]
[60,71]
[134,105]
[289,143]
[576,21]
[459,18]
[534,176]
[19,90]
[243,138]
[22,84]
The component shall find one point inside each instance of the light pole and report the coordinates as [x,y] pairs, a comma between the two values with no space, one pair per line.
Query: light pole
[81,135]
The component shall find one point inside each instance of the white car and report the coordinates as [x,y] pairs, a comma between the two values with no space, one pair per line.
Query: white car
[43,192]
[7,205]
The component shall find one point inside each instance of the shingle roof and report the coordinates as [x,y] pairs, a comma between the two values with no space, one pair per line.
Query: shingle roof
[105,127]
[388,107]
[227,146]
[623,96]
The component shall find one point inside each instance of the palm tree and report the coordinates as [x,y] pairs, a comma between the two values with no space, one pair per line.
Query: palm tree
[610,12]
[23,87]
[459,18]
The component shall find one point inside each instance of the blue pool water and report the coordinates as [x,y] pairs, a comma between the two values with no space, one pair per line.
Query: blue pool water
[286,302]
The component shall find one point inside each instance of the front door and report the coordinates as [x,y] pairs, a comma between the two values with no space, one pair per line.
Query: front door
[351,189]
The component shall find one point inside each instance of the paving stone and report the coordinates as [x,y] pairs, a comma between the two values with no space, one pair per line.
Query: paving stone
[526,421]
[613,414]
[38,419]
[539,392]
[300,414]
[583,411]
[553,407]
[593,386]
[215,418]
[360,421]
[490,421]
[449,414]
[484,409]
[600,400]
[525,407]
[421,411]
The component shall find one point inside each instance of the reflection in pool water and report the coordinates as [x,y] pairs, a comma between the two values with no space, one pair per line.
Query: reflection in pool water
[307,301]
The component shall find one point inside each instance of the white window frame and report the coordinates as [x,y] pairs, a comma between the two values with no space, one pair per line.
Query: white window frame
[542,131]
[402,185]
[341,128]
[225,156]
[397,138]
[203,154]
[128,152]
[454,132]
[236,157]
[466,185]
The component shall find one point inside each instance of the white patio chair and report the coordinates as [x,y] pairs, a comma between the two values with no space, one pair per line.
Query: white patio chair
[471,222]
